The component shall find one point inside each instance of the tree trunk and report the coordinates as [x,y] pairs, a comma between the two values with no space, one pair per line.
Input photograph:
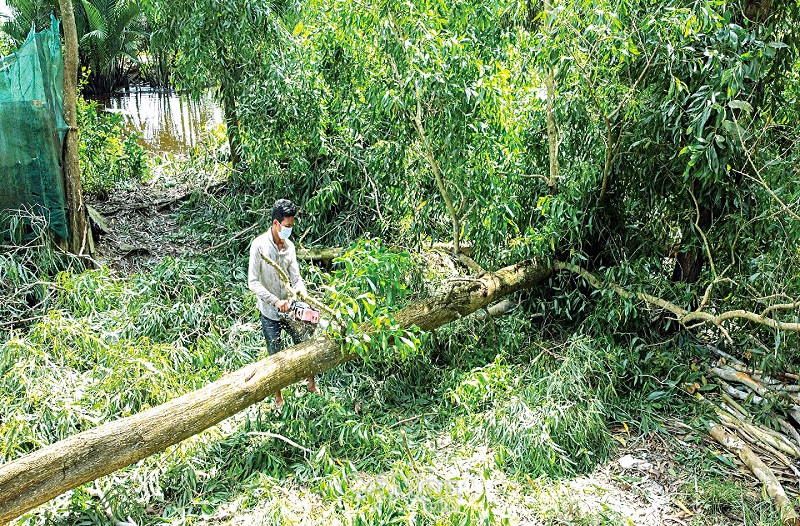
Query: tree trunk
[689,264]
[757,11]
[39,476]
[761,471]
[232,124]
[79,243]
[552,129]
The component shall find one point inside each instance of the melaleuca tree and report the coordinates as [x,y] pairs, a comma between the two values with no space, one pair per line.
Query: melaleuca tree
[425,104]
[675,162]
[223,46]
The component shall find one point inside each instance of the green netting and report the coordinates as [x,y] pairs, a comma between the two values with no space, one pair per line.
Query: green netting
[32,128]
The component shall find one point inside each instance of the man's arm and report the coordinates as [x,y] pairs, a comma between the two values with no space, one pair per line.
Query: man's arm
[253,277]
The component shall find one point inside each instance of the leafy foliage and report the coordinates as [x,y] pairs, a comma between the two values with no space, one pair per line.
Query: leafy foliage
[109,154]
[392,125]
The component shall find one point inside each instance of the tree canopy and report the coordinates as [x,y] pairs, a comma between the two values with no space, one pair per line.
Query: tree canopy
[641,157]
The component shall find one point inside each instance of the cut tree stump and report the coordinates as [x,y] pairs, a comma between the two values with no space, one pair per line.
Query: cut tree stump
[39,476]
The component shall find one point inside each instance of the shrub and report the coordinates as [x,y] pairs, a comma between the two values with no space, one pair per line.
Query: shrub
[109,155]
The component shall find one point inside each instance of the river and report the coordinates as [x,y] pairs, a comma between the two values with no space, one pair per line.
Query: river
[166,122]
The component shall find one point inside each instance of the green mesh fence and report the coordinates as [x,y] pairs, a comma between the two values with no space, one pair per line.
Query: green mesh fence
[32,128]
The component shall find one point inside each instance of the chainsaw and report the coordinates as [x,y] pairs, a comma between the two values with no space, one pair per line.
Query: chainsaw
[302,312]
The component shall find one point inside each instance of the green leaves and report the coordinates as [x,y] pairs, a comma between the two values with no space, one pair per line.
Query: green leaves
[109,155]
[369,283]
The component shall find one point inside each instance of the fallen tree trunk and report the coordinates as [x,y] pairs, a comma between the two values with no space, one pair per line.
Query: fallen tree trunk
[319,254]
[39,476]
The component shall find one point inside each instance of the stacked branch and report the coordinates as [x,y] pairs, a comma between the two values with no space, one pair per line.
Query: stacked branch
[753,442]
[761,471]
[758,387]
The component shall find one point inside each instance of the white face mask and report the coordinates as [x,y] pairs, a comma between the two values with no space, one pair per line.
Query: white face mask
[284,232]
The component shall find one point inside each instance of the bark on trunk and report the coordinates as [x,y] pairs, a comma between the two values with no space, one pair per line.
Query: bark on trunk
[319,254]
[39,476]
[232,124]
[757,10]
[79,242]
[689,264]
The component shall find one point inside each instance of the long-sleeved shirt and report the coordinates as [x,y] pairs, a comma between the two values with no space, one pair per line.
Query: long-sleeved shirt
[263,280]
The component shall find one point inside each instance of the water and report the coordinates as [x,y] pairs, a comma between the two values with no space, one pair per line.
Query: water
[166,122]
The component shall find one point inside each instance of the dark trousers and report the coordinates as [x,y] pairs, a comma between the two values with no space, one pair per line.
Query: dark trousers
[272,333]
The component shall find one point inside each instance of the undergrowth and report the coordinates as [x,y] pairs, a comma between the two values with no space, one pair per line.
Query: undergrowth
[109,154]
[369,449]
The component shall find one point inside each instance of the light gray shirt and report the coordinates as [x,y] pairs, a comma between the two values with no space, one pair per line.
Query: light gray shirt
[263,280]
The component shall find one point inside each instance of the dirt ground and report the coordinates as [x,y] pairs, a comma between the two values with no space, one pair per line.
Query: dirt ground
[642,485]
[138,228]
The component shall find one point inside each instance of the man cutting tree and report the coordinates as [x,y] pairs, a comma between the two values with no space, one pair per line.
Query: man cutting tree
[264,280]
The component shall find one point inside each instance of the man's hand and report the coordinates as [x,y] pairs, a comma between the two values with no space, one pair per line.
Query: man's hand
[282,305]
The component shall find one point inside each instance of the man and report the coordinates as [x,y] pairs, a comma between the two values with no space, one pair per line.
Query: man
[264,281]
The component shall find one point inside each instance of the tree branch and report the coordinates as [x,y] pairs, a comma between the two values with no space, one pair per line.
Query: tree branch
[683,316]
[296,293]
[427,153]
[760,179]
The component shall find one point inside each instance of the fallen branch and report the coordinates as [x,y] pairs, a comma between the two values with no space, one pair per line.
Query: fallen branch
[683,316]
[470,263]
[745,379]
[158,204]
[319,254]
[296,293]
[732,375]
[736,393]
[770,437]
[230,239]
[498,309]
[411,419]
[761,471]
[267,434]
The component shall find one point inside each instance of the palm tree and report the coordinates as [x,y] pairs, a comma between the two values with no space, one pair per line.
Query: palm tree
[111,34]
[28,14]
[112,37]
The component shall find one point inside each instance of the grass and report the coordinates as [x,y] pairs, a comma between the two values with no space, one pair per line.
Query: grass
[493,400]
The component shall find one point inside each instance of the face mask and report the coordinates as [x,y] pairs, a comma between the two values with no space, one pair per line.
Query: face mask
[285,232]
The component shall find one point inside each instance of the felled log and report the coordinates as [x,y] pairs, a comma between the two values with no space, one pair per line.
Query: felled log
[761,471]
[732,375]
[46,473]
[769,437]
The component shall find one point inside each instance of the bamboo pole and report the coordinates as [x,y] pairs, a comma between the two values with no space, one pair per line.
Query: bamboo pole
[46,473]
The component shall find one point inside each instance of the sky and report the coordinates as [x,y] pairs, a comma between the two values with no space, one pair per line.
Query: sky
[4,11]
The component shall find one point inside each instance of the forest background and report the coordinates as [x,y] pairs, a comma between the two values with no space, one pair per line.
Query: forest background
[639,150]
